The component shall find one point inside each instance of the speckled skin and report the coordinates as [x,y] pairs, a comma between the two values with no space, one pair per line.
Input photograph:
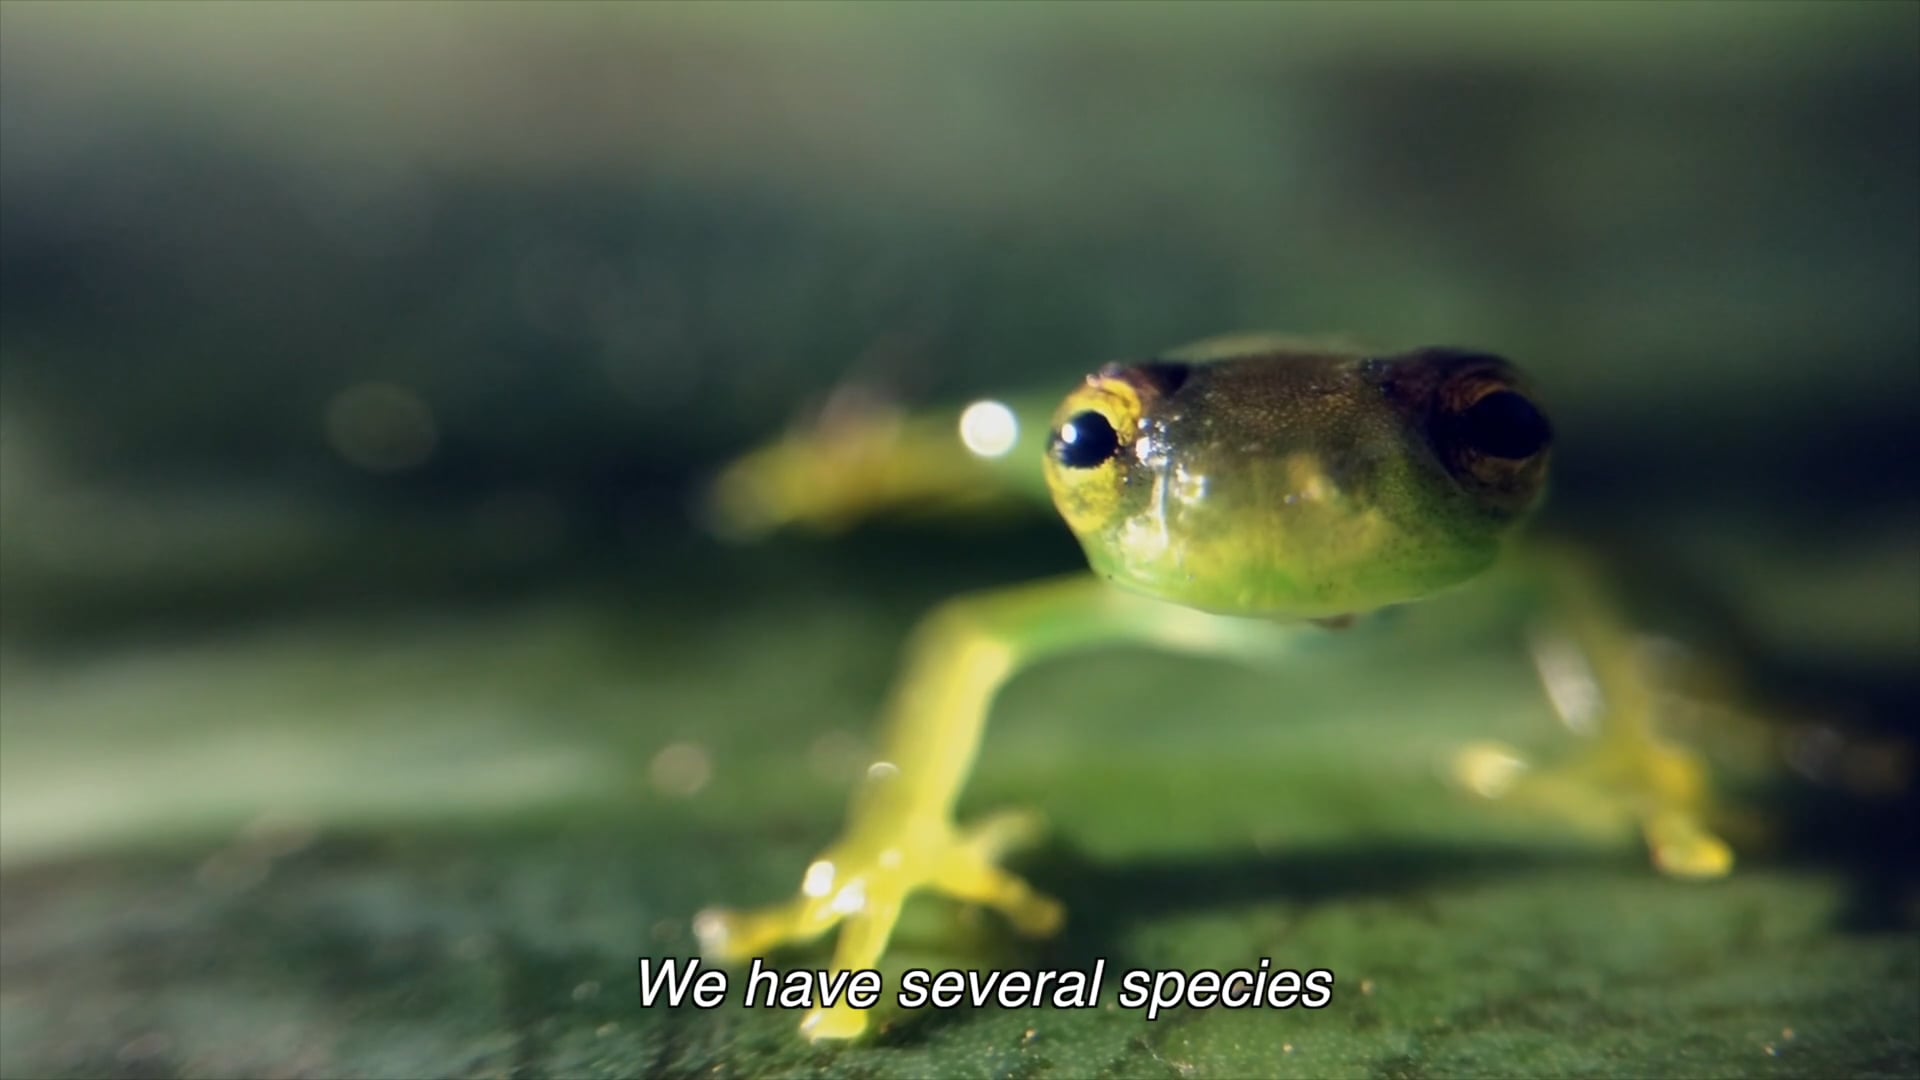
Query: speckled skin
[1291,483]
[1233,491]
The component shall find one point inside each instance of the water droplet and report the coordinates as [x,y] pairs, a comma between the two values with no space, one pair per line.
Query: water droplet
[989,429]
[381,427]
[818,880]
[680,770]
[710,927]
[851,900]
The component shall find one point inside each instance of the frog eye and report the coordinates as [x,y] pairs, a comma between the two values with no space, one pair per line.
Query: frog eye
[1503,424]
[1085,441]
[1479,419]
[1088,467]
[1482,423]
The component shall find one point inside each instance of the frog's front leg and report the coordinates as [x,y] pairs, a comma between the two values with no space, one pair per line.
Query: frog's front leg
[900,835]
[1595,670]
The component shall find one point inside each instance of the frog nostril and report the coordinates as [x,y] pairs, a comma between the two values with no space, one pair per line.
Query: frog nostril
[1086,440]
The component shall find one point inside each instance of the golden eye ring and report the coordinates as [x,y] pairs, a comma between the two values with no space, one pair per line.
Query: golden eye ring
[1086,440]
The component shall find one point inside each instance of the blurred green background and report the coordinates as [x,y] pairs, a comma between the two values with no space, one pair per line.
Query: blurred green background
[369,698]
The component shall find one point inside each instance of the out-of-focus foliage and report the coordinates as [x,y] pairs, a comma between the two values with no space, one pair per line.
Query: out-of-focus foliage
[368,699]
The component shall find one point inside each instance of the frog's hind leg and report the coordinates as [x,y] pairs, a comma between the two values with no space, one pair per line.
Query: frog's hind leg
[1597,675]
[1660,788]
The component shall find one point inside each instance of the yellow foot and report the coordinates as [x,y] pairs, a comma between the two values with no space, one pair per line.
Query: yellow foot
[864,879]
[1661,788]
[1683,848]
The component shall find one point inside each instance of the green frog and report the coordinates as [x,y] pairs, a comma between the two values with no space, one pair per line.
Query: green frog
[1229,496]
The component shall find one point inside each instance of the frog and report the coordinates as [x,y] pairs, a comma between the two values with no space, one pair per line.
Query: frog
[1228,496]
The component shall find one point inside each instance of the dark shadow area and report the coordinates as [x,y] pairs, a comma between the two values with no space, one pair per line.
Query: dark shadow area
[1105,900]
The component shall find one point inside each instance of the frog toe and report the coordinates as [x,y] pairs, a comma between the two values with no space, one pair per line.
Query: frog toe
[1488,769]
[1683,848]
[834,1022]
[1661,788]
[729,936]
[974,881]
[860,886]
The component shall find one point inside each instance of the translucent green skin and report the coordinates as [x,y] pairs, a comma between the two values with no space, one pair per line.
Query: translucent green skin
[1237,478]
[1287,482]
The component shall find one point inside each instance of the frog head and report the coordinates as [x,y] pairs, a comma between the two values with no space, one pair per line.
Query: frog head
[1296,482]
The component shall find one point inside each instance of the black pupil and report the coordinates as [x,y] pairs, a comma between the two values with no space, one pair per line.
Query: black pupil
[1084,441]
[1505,425]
